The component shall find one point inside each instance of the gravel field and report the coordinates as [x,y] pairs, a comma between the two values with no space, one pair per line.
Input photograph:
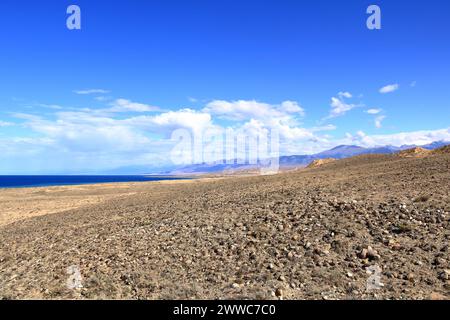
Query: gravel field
[369,227]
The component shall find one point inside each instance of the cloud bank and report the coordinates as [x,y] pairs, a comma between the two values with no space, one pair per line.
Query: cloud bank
[128,133]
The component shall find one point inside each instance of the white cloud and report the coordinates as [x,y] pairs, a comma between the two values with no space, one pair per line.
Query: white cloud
[374,111]
[339,107]
[123,105]
[94,136]
[91,91]
[184,118]
[328,127]
[102,98]
[291,138]
[378,121]
[389,88]
[5,124]
[345,94]
[360,138]
[50,106]
[92,140]
[83,132]
[26,116]
[399,139]
[250,109]
[103,138]
[292,107]
[260,116]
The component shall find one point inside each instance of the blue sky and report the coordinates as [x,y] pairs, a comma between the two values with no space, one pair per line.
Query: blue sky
[109,94]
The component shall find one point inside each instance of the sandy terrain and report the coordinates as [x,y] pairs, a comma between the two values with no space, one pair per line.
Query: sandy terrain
[314,233]
[24,203]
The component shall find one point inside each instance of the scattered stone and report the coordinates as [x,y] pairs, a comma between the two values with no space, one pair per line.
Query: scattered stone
[369,253]
[447,285]
[363,254]
[444,275]
[279,292]
[410,277]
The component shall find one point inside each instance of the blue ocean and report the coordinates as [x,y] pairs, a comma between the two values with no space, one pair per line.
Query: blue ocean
[45,181]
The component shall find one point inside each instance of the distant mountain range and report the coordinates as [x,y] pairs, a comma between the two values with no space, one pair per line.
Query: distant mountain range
[339,152]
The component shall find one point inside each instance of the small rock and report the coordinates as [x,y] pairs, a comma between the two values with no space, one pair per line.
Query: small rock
[447,285]
[369,253]
[282,278]
[394,245]
[372,254]
[444,275]
[279,292]
[235,286]
[320,251]
[410,277]
[366,262]
[363,254]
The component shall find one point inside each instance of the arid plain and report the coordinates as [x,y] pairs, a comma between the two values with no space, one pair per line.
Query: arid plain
[314,233]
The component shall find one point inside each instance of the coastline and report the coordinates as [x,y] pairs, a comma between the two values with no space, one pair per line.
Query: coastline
[27,202]
[44,181]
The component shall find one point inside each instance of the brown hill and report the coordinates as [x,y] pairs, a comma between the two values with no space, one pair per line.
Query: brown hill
[320,162]
[443,150]
[414,153]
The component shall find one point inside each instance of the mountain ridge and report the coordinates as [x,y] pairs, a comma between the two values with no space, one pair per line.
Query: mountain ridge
[338,152]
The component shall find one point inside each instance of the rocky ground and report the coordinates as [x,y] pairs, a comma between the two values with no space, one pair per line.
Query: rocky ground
[318,233]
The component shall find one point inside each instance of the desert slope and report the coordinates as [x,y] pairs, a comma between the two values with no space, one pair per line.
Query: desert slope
[306,234]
